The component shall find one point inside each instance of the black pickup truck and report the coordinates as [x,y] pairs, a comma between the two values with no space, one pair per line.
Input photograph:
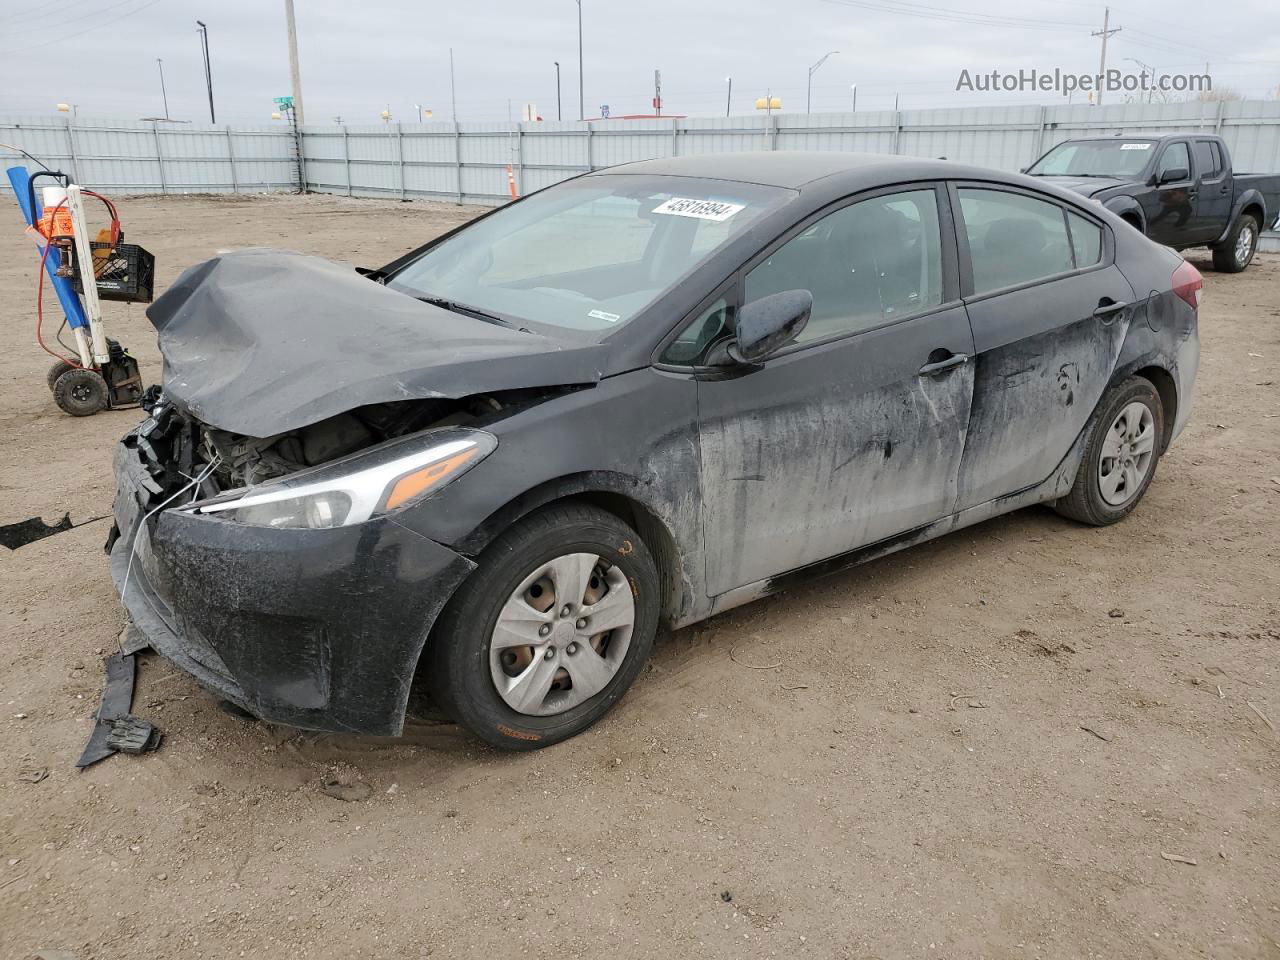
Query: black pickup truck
[1178,189]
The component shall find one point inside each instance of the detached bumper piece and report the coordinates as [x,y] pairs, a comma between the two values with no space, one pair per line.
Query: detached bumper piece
[116,729]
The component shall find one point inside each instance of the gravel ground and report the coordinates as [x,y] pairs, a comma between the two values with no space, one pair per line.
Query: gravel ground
[991,745]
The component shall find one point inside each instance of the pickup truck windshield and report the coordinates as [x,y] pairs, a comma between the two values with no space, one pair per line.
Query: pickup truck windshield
[1115,158]
[588,254]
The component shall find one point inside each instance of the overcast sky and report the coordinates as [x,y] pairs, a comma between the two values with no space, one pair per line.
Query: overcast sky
[359,58]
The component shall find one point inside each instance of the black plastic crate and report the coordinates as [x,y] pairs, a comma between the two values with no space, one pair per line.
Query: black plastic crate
[127,272]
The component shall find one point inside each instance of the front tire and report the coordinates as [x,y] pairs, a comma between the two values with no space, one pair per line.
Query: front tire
[1236,250]
[550,630]
[1120,457]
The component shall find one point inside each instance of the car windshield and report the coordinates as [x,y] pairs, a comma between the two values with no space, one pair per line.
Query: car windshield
[1095,158]
[588,254]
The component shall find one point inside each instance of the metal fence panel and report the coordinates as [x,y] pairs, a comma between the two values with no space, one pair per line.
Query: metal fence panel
[468,162]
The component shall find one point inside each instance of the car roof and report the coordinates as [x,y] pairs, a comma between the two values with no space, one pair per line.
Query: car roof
[795,169]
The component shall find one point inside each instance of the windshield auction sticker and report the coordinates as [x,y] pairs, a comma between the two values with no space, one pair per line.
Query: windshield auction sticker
[699,209]
[1135,146]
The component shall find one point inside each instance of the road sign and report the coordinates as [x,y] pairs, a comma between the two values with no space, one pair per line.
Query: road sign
[283,101]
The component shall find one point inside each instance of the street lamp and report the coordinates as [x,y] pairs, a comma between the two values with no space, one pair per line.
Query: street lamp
[728,100]
[1146,68]
[854,87]
[559,116]
[581,100]
[808,100]
[163,94]
[208,72]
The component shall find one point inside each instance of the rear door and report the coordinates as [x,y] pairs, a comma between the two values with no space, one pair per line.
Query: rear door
[1213,191]
[854,432]
[1049,310]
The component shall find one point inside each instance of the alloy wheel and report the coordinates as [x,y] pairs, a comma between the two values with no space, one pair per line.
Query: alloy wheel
[1244,244]
[562,635]
[1127,454]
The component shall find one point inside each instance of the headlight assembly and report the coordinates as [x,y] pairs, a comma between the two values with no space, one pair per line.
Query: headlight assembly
[352,490]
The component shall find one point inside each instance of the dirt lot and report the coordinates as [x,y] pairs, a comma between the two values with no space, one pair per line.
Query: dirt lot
[913,779]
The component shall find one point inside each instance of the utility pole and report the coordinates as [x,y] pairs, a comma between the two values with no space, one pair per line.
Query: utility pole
[582,115]
[728,99]
[853,87]
[294,74]
[208,72]
[1104,33]
[559,115]
[163,94]
[453,90]
[657,93]
[808,99]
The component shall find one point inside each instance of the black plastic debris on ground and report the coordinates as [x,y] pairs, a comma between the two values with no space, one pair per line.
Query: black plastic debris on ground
[116,729]
[15,535]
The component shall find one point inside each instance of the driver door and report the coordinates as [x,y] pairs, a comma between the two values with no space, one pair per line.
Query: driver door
[854,432]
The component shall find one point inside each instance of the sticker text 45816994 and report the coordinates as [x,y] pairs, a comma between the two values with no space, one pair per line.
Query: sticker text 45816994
[716,210]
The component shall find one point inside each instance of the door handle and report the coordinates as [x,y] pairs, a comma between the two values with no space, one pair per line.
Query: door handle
[940,367]
[1108,307]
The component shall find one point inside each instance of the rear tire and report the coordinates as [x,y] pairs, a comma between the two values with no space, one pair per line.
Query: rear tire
[80,392]
[1118,463]
[464,673]
[1236,250]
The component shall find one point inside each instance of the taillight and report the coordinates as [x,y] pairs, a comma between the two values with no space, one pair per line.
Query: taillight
[1188,284]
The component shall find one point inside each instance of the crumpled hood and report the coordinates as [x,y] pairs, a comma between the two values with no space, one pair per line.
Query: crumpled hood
[1085,186]
[259,342]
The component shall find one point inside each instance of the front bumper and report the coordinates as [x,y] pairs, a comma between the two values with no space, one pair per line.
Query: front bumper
[319,629]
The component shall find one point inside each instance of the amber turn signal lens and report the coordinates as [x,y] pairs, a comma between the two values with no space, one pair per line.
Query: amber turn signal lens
[415,484]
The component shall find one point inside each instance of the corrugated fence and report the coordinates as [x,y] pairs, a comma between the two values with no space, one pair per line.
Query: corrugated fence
[467,162]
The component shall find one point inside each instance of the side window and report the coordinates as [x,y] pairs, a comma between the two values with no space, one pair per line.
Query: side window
[1175,157]
[1086,240]
[1013,238]
[1208,165]
[691,345]
[865,264]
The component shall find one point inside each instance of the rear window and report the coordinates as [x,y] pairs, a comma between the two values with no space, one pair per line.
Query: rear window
[1086,240]
[1013,238]
[1208,159]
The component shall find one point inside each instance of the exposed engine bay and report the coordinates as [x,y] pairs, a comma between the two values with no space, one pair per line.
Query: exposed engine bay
[177,448]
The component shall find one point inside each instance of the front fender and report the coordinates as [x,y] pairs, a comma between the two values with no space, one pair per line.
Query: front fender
[1126,206]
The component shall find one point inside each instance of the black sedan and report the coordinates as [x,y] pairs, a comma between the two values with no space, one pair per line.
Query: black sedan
[494,468]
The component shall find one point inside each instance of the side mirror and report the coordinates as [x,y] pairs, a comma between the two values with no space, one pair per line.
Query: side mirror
[767,324]
[1175,175]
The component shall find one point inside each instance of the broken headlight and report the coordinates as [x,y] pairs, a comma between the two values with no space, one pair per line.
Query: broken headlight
[351,490]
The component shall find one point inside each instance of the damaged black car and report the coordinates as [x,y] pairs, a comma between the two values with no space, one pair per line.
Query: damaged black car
[490,471]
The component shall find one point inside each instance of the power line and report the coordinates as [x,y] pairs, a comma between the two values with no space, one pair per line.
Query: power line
[64,37]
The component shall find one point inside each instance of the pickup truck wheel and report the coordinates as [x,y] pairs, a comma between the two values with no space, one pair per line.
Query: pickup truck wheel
[550,630]
[1120,457]
[1233,254]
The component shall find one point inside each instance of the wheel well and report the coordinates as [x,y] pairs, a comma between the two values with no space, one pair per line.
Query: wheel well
[1255,210]
[652,529]
[1164,383]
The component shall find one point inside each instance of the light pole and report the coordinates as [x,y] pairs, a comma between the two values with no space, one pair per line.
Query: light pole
[163,94]
[808,98]
[581,101]
[559,116]
[294,73]
[208,72]
[728,100]
[453,89]
[1146,68]
[854,87]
